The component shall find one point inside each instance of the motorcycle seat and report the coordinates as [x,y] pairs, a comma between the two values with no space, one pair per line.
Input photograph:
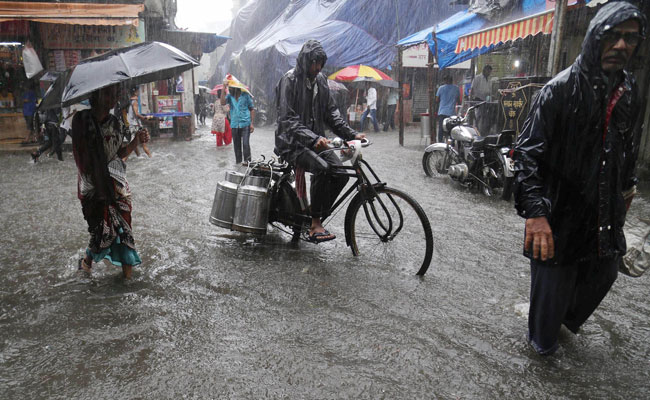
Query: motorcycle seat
[483,141]
[500,140]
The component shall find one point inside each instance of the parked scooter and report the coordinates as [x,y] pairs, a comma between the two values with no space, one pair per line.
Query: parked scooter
[473,160]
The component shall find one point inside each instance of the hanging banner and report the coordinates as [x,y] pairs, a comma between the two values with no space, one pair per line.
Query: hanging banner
[77,37]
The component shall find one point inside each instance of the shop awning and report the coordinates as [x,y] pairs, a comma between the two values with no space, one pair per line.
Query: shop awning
[447,33]
[71,13]
[194,43]
[517,29]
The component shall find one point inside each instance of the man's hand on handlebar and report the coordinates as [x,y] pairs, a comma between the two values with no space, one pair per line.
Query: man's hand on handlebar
[359,136]
[321,144]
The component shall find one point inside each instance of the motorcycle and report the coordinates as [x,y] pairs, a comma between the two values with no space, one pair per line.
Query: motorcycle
[473,160]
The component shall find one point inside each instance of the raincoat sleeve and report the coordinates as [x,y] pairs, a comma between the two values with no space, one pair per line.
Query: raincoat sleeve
[336,123]
[631,147]
[530,199]
[292,134]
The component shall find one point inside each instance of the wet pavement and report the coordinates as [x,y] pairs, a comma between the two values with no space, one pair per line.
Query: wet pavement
[219,314]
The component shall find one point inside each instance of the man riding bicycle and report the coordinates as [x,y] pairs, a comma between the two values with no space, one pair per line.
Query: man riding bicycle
[304,107]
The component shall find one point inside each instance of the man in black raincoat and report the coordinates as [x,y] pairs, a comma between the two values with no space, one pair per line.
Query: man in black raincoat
[575,160]
[305,106]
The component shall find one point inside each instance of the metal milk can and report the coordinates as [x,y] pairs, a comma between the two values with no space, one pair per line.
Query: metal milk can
[252,205]
[223,207]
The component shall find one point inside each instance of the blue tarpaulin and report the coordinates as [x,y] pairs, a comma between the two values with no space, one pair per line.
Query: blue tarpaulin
[533,6]
[463,23]
[351,32]
[447,33]
[417,37]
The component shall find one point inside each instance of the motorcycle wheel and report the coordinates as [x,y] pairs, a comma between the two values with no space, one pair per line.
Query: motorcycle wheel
[507,188]
[435,163]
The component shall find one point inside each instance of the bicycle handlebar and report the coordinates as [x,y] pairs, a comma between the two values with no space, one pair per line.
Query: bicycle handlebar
[338,143]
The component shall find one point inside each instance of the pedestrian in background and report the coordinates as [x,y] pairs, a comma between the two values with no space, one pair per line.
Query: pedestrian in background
[29,109]
[575,162]
[99,153]
[135,119]
[52,136]
[220,124]
[391,104]
[480,91]
[371,109]
[242,113]
[447,97]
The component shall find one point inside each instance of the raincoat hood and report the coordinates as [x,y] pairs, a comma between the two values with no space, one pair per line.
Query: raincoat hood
[311,50]
[305,107]
[608,17]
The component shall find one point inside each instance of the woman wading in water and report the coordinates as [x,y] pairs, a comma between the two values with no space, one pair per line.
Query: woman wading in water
[102,187]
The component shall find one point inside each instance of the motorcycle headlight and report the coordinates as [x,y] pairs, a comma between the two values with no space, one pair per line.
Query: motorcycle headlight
[449,123]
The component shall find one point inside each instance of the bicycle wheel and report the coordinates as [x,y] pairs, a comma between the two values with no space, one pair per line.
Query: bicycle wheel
[391,229]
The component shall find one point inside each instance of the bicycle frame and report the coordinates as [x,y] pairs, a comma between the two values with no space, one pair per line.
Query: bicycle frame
[366,181]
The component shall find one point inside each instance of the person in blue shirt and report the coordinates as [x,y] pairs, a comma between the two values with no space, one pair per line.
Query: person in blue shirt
[447,97]
[29,109]
[242,113]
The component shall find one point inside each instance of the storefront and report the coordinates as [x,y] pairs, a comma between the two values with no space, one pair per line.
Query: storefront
[61,34]
[420,58]
[518,51]
[13,82]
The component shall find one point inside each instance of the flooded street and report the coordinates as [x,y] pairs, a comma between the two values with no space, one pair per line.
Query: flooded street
[218,314]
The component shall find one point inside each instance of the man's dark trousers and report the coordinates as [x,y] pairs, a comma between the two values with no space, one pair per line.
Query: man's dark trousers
[390,117]
[441,119]
[241,138]
[565,294]
[325,187]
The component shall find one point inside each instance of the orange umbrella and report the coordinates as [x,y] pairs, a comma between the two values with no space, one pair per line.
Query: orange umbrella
[357,73]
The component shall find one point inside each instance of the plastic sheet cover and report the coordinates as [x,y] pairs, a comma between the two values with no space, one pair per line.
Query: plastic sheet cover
[351,32]
[447,33]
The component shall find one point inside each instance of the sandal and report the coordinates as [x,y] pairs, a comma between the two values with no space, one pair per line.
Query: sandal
[320,237]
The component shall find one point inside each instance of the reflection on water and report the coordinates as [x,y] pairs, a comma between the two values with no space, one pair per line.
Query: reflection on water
[219,314]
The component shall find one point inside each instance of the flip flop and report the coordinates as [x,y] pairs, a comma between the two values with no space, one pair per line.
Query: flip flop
[320,237]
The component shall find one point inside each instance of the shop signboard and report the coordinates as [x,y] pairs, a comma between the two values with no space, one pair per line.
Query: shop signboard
[516,96]
[166,122]
[168,104]
[89,37]
[416,56]
[512,103]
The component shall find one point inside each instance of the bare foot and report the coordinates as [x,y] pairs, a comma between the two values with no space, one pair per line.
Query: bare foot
[318,233]
[84,265]
[146,149]
[127,270]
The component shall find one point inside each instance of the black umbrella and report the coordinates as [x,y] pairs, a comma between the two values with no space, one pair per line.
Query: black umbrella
[133,65]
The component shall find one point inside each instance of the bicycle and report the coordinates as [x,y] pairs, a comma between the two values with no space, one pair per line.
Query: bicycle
[380,222]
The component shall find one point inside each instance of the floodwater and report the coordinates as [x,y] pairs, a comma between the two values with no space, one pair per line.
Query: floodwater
[219,314]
